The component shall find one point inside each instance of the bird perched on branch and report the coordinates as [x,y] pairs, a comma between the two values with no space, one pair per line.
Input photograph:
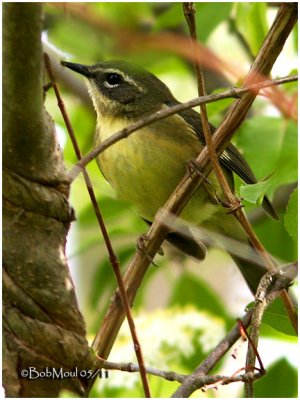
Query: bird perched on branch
[145,167]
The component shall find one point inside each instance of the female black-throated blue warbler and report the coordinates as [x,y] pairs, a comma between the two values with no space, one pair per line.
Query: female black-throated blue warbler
[146,167]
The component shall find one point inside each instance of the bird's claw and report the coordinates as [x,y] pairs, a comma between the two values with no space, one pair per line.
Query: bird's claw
[193,166]
[142,249]
[231,207]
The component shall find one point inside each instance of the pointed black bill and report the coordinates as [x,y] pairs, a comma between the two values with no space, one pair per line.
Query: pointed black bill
[81,69]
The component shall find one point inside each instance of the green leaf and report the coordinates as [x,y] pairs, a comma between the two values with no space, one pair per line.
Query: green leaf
[276,317]
[270,333]
[208,16]
[270,147]
[254,193]
[291,216]
[251,20]
[279,382]
[192,290]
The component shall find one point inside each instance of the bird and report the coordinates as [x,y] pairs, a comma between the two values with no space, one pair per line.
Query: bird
[145,167]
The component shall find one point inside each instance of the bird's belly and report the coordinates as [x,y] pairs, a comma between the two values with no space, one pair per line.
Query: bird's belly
[145,168]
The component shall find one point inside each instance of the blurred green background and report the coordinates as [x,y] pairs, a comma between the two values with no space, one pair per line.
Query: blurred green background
[183,308]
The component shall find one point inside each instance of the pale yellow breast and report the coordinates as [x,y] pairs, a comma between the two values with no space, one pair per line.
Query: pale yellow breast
[145,167]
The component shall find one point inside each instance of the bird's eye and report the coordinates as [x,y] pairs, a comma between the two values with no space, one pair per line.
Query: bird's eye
[113,79]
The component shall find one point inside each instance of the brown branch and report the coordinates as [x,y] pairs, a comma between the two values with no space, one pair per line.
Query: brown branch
[130,367]
[112,256]
[124,133]
[270,50]
[270,287]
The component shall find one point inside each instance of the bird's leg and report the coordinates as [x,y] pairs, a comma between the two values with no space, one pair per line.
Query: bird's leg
[140,245]
[193,166]
[231,208]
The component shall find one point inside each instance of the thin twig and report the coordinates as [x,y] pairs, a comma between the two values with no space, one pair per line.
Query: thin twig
[112,257]
[130,367]
[124,133]
[202,382]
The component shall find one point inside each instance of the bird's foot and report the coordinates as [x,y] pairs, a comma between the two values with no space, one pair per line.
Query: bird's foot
[231,207]
[193,166]
[141,248]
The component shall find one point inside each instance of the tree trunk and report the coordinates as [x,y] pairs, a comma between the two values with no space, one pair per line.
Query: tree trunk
[42,326]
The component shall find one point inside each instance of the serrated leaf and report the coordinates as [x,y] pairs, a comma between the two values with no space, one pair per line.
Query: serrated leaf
[291,216]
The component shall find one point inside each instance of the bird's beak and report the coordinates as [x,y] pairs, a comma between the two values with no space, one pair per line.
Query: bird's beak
[81,69]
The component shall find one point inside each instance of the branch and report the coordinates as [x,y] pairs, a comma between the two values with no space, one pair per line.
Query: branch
[190,384]
[201,382]
[270,287]
[130,367]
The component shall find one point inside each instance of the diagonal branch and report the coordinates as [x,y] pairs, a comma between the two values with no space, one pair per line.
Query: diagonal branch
[189,385]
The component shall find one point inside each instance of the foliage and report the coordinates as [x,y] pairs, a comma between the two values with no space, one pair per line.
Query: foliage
[267,139]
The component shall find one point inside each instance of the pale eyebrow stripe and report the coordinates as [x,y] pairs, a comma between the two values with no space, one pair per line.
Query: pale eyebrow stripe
[117,71]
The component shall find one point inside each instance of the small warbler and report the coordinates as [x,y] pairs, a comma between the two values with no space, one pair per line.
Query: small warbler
[145,167]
